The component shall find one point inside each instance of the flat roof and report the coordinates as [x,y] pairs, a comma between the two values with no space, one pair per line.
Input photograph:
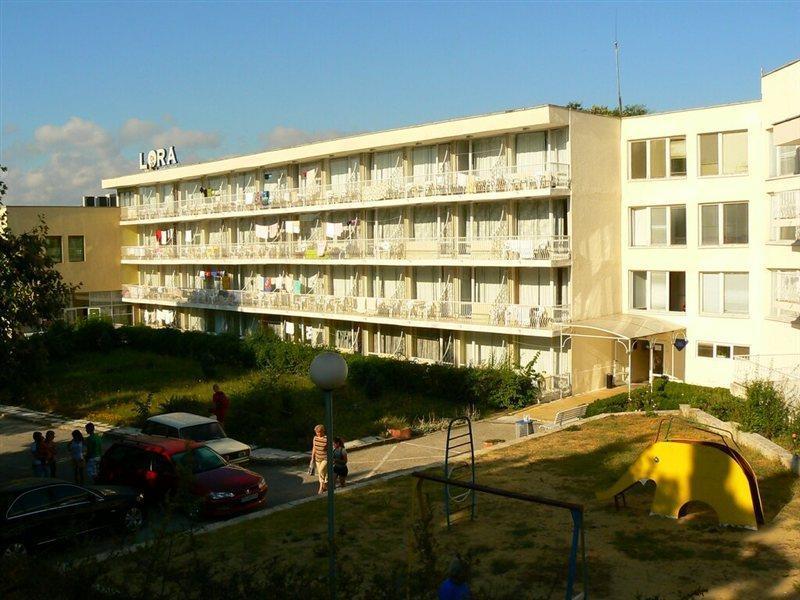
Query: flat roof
[518,119]
[788,64]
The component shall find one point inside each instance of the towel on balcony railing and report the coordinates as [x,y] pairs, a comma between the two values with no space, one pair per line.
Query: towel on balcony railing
[291,226]
[262,232]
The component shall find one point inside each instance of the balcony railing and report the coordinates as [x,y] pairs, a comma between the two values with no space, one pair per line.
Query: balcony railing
[498,179]
[785,216]
[553,247]
[485,313]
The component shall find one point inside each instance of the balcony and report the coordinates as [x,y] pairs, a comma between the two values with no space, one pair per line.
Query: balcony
[785,295]
[426,313]
[785,217]
[525,249]
[358,193]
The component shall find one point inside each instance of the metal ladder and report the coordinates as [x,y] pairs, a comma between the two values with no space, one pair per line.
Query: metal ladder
[461,448]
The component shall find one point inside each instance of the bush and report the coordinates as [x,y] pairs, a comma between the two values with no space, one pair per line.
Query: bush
[764,410]
[190,404]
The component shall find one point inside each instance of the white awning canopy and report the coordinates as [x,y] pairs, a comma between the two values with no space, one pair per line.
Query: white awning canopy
[786,133]
[622,327]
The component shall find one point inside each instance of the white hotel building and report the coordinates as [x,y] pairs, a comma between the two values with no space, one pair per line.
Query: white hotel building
[590,243]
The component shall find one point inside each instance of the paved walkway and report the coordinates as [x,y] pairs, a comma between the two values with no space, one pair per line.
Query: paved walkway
[547,410]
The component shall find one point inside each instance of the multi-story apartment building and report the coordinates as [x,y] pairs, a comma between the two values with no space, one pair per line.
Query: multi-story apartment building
[545,233]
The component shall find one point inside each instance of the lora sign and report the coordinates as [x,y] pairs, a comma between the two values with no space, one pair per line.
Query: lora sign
[155,159]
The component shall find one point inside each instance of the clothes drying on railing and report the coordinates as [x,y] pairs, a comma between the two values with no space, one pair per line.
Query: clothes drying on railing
[163,236]
[262,232]
[291,226]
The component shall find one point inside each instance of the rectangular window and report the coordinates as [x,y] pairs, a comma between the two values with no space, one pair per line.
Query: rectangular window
[75,250]
[639,289]
[705,350]
[723,351]
[658,163]
[709,154]
[724,293]
[723,153]
[658,158]
[677,157]
[658,290]
[639,160]
[787,160]
[658,226]
[54,248]
[733,217]
[677,225]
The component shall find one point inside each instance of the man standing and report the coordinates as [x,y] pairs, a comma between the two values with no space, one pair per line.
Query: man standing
[94,450]
[219,404]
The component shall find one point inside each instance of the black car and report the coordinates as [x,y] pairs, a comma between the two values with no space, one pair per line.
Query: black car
[36,511]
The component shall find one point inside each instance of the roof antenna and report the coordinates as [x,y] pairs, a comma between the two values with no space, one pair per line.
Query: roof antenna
[616,57]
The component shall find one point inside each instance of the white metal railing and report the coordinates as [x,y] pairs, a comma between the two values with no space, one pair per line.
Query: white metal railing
[785,216]
[785,295]
[782,370]
[117,313]
[555,387]
[474,181]
[507,247]
[511,315]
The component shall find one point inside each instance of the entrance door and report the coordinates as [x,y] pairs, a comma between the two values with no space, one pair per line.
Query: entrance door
[658,359]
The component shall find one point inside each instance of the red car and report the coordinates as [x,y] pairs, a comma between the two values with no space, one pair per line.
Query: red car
[158,466]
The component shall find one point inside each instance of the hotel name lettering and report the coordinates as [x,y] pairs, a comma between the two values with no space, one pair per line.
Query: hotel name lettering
[157,158]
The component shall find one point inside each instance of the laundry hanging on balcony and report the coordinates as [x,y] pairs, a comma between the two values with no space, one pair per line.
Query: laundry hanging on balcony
[163,236]
[262,232]
[289,328]
[187,236]
[333,230]
[291,226]
[273,230]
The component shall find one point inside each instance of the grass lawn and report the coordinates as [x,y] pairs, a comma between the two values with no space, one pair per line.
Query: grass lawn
[519,550]
[270,412]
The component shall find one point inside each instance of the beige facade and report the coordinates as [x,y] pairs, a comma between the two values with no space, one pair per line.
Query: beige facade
[497,238]
[85,241]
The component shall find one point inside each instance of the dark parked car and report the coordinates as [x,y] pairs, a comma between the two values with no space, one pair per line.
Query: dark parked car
[161,467]
[36,511]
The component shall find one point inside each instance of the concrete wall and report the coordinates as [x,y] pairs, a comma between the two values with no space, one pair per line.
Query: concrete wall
[101,270]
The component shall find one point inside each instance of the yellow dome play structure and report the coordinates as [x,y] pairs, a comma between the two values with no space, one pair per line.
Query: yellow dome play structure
[686,470]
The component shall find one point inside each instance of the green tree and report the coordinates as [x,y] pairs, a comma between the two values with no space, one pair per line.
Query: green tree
[629,110]
[32,292]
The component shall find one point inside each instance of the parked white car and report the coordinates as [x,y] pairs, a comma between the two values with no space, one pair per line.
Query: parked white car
[187,426]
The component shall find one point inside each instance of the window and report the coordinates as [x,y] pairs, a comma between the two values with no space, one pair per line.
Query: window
[54,248]
[658,226]
[787,160]
[785,216]
[658,290]
[32,501]
[733,218]
[711,350]
[724,293]
[75,248]
[66,495]
[723,153]
[658,158]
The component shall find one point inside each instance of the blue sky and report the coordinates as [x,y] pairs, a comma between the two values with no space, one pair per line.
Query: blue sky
[85,86]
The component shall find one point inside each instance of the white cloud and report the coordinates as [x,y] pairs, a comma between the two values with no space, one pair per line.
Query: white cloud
[61,163]
[185,138]
[284,137]
[136,130]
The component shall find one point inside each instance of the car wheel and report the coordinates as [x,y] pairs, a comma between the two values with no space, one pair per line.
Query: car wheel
[15,549]
[133,519]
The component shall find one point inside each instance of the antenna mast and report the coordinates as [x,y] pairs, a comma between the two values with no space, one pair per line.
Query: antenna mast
[616,58]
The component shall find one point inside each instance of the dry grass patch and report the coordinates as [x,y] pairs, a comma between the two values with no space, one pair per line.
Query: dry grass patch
[519,551]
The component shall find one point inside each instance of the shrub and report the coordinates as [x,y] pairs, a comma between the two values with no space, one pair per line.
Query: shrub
[764,410]
[190,404]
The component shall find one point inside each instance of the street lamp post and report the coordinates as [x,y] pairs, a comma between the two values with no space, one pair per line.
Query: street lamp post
[328,372]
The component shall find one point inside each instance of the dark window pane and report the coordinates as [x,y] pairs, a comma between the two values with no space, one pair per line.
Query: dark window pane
[677,157]
[734,223]
[638,160]
[31,501]
[709,225]
[677,291]
[677,220]
[723,351]
[658,159]
[54,248]
[75,248]
[706,350]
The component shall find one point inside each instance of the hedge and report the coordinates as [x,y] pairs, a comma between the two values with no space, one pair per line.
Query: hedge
[495,388]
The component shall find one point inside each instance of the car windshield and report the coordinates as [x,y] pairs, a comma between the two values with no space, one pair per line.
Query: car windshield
[203,432]
[199,460]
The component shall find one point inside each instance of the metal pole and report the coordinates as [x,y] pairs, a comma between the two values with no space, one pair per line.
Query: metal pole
[331,546]
[630,373]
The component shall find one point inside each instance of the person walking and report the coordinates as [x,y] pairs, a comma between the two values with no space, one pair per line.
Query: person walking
[219,404]
[50,452]
[340,461]
[38,455]
[94,450]
[319,456]
[76,453]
